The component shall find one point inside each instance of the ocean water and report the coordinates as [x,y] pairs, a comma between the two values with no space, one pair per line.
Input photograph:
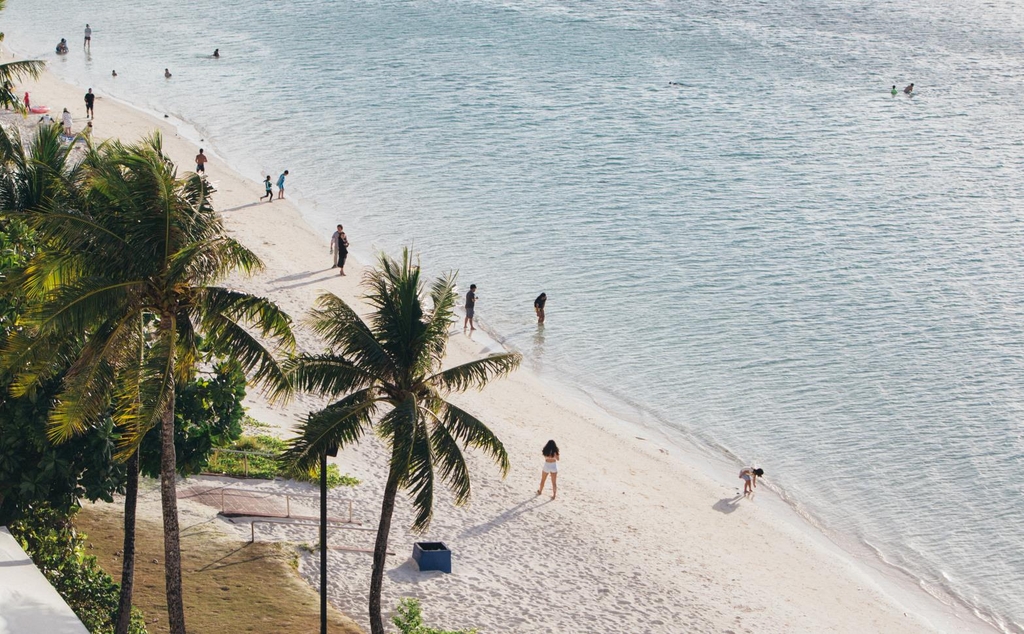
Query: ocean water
[776,258]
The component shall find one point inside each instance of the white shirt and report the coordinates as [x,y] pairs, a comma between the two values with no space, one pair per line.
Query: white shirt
[66,119]
[88,32]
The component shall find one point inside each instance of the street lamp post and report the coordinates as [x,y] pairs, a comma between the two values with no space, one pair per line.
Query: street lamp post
[331,451]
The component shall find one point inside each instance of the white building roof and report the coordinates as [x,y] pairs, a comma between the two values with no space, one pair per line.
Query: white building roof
[28,603]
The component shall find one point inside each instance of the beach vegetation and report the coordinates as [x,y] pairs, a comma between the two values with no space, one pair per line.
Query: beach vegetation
[12,72]
[119,301]
[262,461]
[49,538]
[387,376]
[408,619]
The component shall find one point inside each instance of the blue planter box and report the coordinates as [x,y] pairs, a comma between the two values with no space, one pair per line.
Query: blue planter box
[432,556]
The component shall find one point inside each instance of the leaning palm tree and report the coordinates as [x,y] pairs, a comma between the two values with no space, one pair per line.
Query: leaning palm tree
[131,274]
[387,375]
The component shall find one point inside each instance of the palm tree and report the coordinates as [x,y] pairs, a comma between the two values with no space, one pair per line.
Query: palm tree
[46,173]
[130,273]
[393,367]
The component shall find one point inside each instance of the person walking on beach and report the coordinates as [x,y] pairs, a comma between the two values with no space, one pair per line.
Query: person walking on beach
[749,475]
[280,184]
[28,102]
[339,248]
[538,306]
[909,89]
[88,38]
[551,456]
[470,307]
[201,162]
[90,100]
[67,121]
[270,191]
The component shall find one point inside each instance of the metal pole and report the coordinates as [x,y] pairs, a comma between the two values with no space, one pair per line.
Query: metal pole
[323,543]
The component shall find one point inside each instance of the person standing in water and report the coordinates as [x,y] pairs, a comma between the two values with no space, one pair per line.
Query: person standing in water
[538,306]
[88,38]
[90,100]
[550,453]
[470,308]
[280,185]
[339,248]
[167,73]
[201,162]
[893,92]
[270,191]
[909,89]
[749,475]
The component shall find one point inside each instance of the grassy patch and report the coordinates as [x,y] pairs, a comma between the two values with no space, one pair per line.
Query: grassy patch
[230,586]
[255,466]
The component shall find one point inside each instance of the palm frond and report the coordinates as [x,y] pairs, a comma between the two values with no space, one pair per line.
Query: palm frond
[472,432]
[328,375]
[477,373]
[347,335]
[337,425]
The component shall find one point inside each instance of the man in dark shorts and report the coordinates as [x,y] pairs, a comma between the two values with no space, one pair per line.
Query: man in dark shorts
[201,162]
[90,99]
[470,307]
[88,38]
[538,306]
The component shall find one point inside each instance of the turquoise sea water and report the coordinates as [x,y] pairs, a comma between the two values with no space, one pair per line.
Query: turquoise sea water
[777,258]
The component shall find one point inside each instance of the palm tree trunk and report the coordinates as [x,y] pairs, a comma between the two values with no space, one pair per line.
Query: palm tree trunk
[380,551]
[169,502]
[131,495]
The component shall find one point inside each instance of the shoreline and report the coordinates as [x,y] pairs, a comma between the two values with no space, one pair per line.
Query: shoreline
[235,187]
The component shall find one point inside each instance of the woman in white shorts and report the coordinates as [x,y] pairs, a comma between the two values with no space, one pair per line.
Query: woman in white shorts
[550,452]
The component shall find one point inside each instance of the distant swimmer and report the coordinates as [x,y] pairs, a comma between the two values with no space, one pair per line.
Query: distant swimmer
[893,92]
[62,47]
[909,89]
[216,52]
[167,74]
[675,83]
[113,73]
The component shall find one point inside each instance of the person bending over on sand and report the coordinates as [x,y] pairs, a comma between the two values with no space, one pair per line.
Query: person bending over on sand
[67,121]
[280,184]
[339,248]
[909,89]
[470,307]
[551,456]
[270,191]
[538,306]
[749,475]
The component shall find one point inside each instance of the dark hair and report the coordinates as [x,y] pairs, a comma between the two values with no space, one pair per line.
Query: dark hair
[759,472]
[472,286]
[550,450]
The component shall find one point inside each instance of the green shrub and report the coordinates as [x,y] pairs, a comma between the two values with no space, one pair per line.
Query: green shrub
[58,551]
[268,467]
[409,620]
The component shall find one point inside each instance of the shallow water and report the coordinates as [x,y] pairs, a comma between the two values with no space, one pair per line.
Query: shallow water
[776,257]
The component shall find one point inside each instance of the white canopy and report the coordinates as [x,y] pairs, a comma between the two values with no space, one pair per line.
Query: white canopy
[28,603]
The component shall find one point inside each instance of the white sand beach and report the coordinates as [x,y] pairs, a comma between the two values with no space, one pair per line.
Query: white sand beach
[643,537]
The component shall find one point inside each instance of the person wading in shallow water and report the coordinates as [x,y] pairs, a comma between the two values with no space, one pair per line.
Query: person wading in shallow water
[538,306]
[339,247]
[470,307]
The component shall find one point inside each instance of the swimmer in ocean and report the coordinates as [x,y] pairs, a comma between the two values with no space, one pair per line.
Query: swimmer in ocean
[894,90]
[216,52]
[909,89]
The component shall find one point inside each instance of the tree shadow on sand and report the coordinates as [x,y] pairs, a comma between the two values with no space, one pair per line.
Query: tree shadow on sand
[531,504]
[302,276]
